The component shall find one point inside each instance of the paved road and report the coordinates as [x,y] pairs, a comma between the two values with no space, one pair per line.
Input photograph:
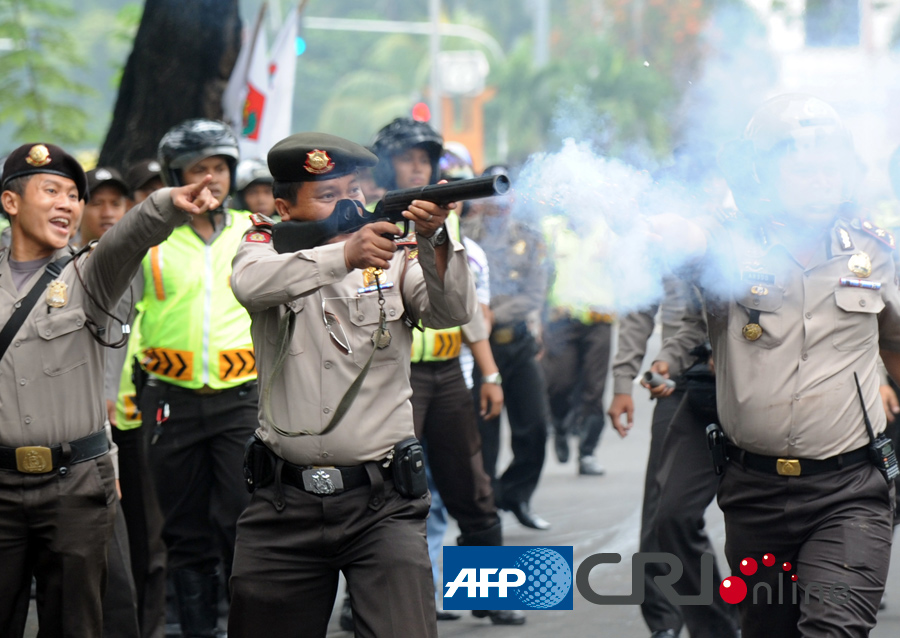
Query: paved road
[598,514]
[602,514]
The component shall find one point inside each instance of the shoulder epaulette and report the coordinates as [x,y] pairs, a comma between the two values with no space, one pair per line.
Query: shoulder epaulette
[882,235]
[88,248]
[261,222]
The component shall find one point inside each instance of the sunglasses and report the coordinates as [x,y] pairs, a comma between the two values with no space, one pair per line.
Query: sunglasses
[335,330]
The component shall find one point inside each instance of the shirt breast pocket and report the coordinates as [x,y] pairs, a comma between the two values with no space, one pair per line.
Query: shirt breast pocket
[856,317]
[771,319]
[273,324]
[365,315]
[64,348]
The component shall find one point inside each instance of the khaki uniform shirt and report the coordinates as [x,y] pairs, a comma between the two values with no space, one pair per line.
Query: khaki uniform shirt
[636,328]
[51,377]
[791,392]
[316,372]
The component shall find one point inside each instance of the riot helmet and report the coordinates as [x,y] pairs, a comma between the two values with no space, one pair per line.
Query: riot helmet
[784,124]
[192,141]
[253,171]
[399,135]
[456,162]
[250,173]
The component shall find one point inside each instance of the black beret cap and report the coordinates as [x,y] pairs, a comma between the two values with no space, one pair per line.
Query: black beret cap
[102,176]
[142,172]
[308,157]
[31,159]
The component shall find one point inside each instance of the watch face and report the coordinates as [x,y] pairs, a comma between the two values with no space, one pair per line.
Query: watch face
[439,237]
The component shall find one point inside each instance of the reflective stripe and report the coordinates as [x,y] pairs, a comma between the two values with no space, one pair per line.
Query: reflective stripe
[236,364]
[172,364]
[207,311]
[156,269]
[132,412]
[447,344]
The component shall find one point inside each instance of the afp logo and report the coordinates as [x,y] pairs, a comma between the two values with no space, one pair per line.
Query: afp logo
[508,578]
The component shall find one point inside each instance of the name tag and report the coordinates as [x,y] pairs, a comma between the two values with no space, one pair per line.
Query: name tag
[760,277]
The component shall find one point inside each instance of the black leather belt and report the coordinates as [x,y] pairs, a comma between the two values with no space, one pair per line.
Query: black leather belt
[203,391]
[330,480]
[796,467]
[38,459]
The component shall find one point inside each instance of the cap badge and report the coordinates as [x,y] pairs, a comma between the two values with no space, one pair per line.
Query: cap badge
[102,175]
[318,162]
[38,155]
[154,167]
[860,265]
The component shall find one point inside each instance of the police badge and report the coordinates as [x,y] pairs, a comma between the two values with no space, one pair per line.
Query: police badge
[57,293]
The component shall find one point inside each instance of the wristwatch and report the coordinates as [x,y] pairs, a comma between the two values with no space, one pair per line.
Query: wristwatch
[439,237]
[492,378]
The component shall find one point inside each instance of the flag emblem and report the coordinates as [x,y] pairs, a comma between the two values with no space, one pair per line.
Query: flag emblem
[252,115]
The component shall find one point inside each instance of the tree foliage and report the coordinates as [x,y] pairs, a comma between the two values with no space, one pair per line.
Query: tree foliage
[38,94]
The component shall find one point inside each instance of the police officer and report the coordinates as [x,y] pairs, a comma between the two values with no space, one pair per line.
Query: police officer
[679,486]
[577,340]
[516,255]
[254,187]
[326,499]
[803,299]
[58,494]
[408,156]
[635,329]
[199,404]
[143,179]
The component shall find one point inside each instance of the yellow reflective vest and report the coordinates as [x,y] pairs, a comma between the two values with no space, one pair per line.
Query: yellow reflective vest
[581,288]
[194,333]
[128,414]
[439,345]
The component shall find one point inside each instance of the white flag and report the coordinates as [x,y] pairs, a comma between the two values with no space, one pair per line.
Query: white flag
[276,121]
[235,94]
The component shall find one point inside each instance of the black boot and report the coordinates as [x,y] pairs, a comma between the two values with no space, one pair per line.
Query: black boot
[490,537]
[198,595]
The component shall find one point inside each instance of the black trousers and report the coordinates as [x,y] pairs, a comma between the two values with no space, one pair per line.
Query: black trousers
[287,563]
[144,521]
[525,398]
[833,528]
[445,420]
[687,486]
[197,464]
[576,366]
[120,612]
[56,528]
[657,611]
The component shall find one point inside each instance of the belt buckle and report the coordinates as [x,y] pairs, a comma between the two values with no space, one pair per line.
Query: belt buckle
[503,336]
[34,460]
[788,467]
[323,480]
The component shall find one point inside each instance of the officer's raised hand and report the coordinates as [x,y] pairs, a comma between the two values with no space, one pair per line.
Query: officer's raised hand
[195,199]
[367,247]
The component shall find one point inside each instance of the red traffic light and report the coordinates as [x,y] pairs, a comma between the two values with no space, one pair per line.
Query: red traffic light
[421,112]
